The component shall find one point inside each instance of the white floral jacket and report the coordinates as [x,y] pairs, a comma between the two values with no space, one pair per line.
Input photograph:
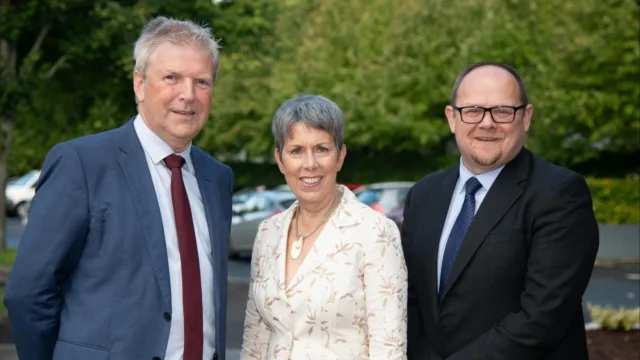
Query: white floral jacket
[348,299]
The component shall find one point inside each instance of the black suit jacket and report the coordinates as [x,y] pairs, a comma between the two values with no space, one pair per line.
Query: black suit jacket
[515,290]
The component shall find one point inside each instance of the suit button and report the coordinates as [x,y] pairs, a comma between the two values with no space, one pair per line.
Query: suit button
[215,356]
[156,358]
[167,316]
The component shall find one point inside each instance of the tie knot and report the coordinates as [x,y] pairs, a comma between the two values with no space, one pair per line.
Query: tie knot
[472,186]
[174,161]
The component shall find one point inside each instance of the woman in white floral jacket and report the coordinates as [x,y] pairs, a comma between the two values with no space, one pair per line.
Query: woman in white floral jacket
[328,277]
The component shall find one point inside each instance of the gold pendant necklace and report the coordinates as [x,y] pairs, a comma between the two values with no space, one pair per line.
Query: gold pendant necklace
[296,247]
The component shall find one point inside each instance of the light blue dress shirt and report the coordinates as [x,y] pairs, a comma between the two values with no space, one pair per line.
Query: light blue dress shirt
[486,179]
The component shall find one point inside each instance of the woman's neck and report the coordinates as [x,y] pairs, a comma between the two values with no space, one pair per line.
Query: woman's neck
[311,214]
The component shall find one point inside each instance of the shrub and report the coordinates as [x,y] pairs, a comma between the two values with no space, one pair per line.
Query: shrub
[616,201]
[614,319]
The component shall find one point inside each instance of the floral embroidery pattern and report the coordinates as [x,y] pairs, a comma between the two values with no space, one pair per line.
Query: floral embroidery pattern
[348,299]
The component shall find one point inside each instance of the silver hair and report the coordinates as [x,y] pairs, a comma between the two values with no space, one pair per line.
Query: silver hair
[162,29]
[313,110]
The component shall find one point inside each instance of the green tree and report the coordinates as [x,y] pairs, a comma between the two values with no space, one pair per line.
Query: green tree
[65,71]
[80,82]
[27,57]
[391,65]
[242,97]
[580,62]
[57,60]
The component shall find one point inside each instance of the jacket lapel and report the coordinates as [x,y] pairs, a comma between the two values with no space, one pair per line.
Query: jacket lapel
[134,166]
[210,190]
[435,216]
[279,256]
[503,193]
[329,243]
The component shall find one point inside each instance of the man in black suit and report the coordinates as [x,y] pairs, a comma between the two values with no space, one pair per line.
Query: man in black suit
[499,248]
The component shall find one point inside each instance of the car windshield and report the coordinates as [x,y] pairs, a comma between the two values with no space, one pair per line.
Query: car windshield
[23,180]
[369,196]
[287,203]
[243,195]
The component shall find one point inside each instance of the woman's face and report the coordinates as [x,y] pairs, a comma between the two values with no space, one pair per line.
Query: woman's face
[310,163]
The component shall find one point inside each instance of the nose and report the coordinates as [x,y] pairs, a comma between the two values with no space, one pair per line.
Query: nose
[487,121]
[310,160]
[187,92]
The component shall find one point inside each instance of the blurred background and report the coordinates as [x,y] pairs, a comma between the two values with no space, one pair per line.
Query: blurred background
[66,71]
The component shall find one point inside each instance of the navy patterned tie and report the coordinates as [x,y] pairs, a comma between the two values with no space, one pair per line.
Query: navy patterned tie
[458,232]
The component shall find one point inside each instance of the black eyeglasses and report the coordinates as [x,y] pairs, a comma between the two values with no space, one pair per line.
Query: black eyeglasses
[500,114]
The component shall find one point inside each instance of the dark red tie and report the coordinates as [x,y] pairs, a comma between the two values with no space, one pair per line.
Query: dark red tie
[191,290]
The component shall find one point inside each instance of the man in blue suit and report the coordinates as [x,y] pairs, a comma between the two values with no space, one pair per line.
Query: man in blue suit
[125,252]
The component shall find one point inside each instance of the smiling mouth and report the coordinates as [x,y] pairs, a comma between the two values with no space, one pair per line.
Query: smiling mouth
[186,113]
[487,139]
[311,180]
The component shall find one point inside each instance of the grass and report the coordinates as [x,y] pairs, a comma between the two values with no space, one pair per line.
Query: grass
[6,259]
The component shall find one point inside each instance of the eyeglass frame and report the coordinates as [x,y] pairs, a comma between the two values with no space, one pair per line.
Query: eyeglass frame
[515,110]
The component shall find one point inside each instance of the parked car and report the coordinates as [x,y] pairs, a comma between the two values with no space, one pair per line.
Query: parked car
[241,196]
[248,214]
[19,192]
[397,215]
[385,197]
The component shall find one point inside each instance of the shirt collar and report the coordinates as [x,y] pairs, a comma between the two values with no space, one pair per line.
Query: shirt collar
[156,148]
[486,179]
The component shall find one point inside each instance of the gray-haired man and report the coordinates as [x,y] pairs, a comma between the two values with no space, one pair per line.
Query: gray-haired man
[124,256]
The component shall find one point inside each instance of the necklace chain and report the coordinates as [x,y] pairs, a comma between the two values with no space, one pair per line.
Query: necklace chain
[336,201]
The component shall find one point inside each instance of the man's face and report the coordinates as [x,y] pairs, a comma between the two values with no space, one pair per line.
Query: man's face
[487,145]
[174,98]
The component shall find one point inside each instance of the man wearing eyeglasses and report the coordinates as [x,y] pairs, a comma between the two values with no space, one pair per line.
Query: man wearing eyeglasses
[499,248]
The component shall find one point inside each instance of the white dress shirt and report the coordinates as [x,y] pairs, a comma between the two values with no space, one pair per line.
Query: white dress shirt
[457,199]
[156,150]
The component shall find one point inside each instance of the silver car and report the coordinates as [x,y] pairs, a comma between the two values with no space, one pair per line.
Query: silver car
[385,196]
[19,192]
[250,211]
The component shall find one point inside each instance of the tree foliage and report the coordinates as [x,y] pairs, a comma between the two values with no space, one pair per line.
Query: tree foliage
[66,71]
[390,65]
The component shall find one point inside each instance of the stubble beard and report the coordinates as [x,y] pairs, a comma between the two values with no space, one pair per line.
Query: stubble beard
[485,160]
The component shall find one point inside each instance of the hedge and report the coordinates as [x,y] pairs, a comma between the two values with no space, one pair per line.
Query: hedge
[616,201]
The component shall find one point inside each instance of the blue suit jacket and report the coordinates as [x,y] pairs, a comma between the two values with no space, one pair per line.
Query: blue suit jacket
[91,279]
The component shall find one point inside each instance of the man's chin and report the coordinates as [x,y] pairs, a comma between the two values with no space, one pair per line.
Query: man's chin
[485,160]
[184,132]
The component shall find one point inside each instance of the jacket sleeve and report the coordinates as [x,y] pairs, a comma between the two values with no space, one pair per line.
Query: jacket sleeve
[564,245]
[49,250]
[255,339]
[385,279]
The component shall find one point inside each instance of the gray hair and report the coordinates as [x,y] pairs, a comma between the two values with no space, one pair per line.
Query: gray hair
[162,29]
[313,110]
[524,98]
